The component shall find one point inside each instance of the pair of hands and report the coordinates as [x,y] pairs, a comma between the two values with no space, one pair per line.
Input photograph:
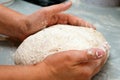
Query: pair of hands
[67,65]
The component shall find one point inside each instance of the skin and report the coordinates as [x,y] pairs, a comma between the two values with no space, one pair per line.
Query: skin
[25,25]
[67,65]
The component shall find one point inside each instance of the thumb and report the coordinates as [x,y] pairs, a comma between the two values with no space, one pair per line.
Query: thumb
[57,8]
[84,56]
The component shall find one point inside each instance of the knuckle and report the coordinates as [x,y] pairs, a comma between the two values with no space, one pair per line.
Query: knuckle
[69,55]
[74,56]
[47,10]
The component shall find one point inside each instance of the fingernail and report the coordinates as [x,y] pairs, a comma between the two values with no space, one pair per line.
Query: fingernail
[100,53]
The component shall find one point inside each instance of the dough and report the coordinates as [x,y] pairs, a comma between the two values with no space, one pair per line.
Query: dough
[55,39]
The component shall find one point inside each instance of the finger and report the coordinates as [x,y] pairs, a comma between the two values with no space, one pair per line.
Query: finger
[98,64]
[94,66]
[57,8]
[91,61]
[80,56]
[73,20]
[84,56]
[69,19]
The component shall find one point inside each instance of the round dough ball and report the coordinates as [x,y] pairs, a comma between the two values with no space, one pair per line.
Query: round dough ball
[56,39]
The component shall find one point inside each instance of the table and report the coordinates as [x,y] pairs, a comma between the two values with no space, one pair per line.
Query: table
[107,21]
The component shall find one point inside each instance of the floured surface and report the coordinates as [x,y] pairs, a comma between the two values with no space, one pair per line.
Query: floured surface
[107,21]
[56,39]
[6,51]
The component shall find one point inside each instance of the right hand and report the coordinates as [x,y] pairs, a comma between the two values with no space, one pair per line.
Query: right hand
[72,65]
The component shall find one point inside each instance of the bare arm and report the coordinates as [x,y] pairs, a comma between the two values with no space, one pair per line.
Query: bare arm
[16,72]
[11,23]
[20,26]
[30,72]
[76,65]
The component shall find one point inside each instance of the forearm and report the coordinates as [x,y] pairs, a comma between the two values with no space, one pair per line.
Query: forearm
[15,72]
[23,73]
[11,22]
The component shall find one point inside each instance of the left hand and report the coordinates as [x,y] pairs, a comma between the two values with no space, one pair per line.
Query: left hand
[19,26]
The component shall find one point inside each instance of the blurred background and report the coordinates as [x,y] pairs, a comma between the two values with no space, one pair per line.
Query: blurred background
[110,3]
[45,2]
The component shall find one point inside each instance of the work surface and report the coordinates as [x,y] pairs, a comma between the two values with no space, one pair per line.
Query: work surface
[107,21]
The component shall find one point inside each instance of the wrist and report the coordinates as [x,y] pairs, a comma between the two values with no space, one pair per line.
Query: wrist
[22,28]
[13,24]
[29,72]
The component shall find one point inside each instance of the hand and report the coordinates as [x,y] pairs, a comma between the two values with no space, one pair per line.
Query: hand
[51,15]
[67,65]
[19,26]
[72,65]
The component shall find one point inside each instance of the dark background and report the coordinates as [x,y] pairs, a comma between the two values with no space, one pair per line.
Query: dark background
[45,2]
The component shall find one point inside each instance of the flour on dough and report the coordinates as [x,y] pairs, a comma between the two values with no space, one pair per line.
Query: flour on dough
[55,39]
